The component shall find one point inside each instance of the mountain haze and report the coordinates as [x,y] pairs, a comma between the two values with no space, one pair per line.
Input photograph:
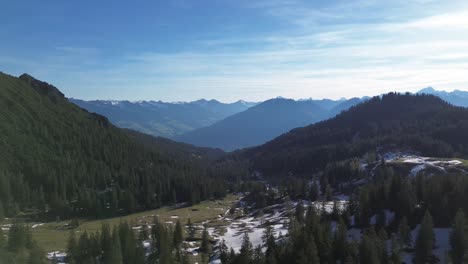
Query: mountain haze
[264,122]
[456,97]
[163,119]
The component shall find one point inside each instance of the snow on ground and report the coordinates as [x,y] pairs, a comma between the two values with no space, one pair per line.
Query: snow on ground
[37,225]
[5,227]
[421,163]
[57,256]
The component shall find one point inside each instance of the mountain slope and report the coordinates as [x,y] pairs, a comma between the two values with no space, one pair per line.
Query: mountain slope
[264,122]
[422,123]
[160,118]
[58,156]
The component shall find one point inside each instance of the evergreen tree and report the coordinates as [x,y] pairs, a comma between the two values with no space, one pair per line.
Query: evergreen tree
[19,237]
[368,252]
[458,238]
[2,211]
[424,240]
[404,233]
[178,235]
[2,239]
[246,251]
[205,246]
[106,243]
[72,248]
[36,255]
[191,229]
[395,256]
[300,212]
[116,251]
[340,242]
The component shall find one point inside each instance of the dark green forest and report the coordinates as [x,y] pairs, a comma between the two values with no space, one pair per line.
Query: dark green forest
[60,161]
[422,123]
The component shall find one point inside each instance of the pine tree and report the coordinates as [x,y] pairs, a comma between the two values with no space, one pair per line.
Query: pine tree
[300,212]
[340,242]
[2,212]
[404,233]
[224,253]
[164,244]
[72,248]
[2,239]
[458,238]
[368,252]
[246,251]
[395,256]
[424,240]
[106,243]
[178,235]
[19,237]
[191,229]
[36,255]
[116,251]
[205,246]
[312,254]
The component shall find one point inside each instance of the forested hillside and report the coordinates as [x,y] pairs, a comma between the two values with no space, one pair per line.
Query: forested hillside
[422,123]
[62,161]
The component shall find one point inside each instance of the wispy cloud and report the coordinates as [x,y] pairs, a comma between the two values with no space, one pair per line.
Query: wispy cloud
[328,50]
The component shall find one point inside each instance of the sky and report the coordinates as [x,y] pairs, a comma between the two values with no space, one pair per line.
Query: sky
[181,50]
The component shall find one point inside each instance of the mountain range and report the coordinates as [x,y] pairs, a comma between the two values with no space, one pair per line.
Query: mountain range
[264,122]
[456,97]
[230,126]
[163,119]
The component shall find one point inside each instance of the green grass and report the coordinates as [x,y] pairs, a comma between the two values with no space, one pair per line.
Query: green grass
[53,236]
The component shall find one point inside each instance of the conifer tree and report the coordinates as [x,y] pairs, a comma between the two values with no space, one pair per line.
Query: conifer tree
[116,251]
[404,233]
[2,239]
[368,252]
[395,256]
[72,248]
[458,238]
[205,246]
[36,255]
[191,229]
[424,240]
[246,251]
[340,242]
[2,211]
[300,212]
[178,235]
[106,243]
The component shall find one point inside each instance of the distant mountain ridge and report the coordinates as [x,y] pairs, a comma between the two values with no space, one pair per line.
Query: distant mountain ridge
[159,118]
[264,122]
[456,97]
[210,123]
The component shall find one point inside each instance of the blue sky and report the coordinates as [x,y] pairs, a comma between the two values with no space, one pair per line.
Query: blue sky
[180,50]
